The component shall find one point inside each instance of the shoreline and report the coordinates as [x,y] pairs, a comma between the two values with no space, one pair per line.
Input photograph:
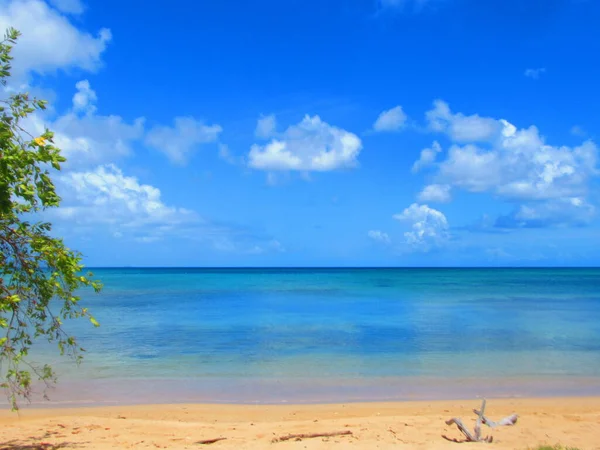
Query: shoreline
[570,421]
[45,405]
[310,391]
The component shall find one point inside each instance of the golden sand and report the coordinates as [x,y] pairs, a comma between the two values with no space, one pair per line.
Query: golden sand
[416,425]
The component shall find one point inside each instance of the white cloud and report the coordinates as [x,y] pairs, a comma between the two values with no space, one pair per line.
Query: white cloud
[428,157]
[379,236]
[311,145]
[104,198]
[68,6]
[519,165]
[535,73]
[459,127]
[89,139]
[439,193]
[558,212]
[390,120]
[265,127]
[429,227]
[49,40]
[471,168]
[225,154]
[179,141]
[516,165]
[84,98]
[106,195]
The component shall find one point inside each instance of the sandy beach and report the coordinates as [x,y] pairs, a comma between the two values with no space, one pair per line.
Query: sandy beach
[571,422]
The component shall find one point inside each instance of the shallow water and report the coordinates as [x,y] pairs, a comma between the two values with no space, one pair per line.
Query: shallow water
[276,335]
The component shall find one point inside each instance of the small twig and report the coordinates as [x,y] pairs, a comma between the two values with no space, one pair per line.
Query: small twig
[210,441]
[298,437]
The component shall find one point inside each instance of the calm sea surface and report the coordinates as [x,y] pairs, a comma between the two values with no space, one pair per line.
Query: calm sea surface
[275,335]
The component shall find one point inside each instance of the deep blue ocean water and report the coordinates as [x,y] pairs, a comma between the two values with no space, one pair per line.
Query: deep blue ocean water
[295,334]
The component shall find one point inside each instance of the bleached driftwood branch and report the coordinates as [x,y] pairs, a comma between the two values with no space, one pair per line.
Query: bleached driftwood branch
[479,421]
[464,430]
[476,435]
[506,422]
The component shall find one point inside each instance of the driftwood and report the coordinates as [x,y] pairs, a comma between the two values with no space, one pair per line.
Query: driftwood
[298,437]
[210,441]
[506,422]
[476,435]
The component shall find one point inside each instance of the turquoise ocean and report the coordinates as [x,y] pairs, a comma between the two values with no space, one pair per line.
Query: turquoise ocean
[328,335]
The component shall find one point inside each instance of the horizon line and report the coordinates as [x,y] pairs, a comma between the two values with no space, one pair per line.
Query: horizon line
[338,267]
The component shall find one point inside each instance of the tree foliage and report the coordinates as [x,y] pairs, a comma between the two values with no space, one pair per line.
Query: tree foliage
[39,275]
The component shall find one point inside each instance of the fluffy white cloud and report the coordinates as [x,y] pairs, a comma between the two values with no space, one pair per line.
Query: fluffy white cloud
[428,157]
[50,41]
[379,236]
[265,127]
[85,97]
[459,127]
[429,227]
[439,193]
[104,198]
[514,164]
[179,141]
[88,139]
[535,73]
[390,120]
[106,195]
[68,6]
[311,145]
[520,166]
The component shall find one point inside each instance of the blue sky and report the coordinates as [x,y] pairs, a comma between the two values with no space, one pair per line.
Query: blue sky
[312,133]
